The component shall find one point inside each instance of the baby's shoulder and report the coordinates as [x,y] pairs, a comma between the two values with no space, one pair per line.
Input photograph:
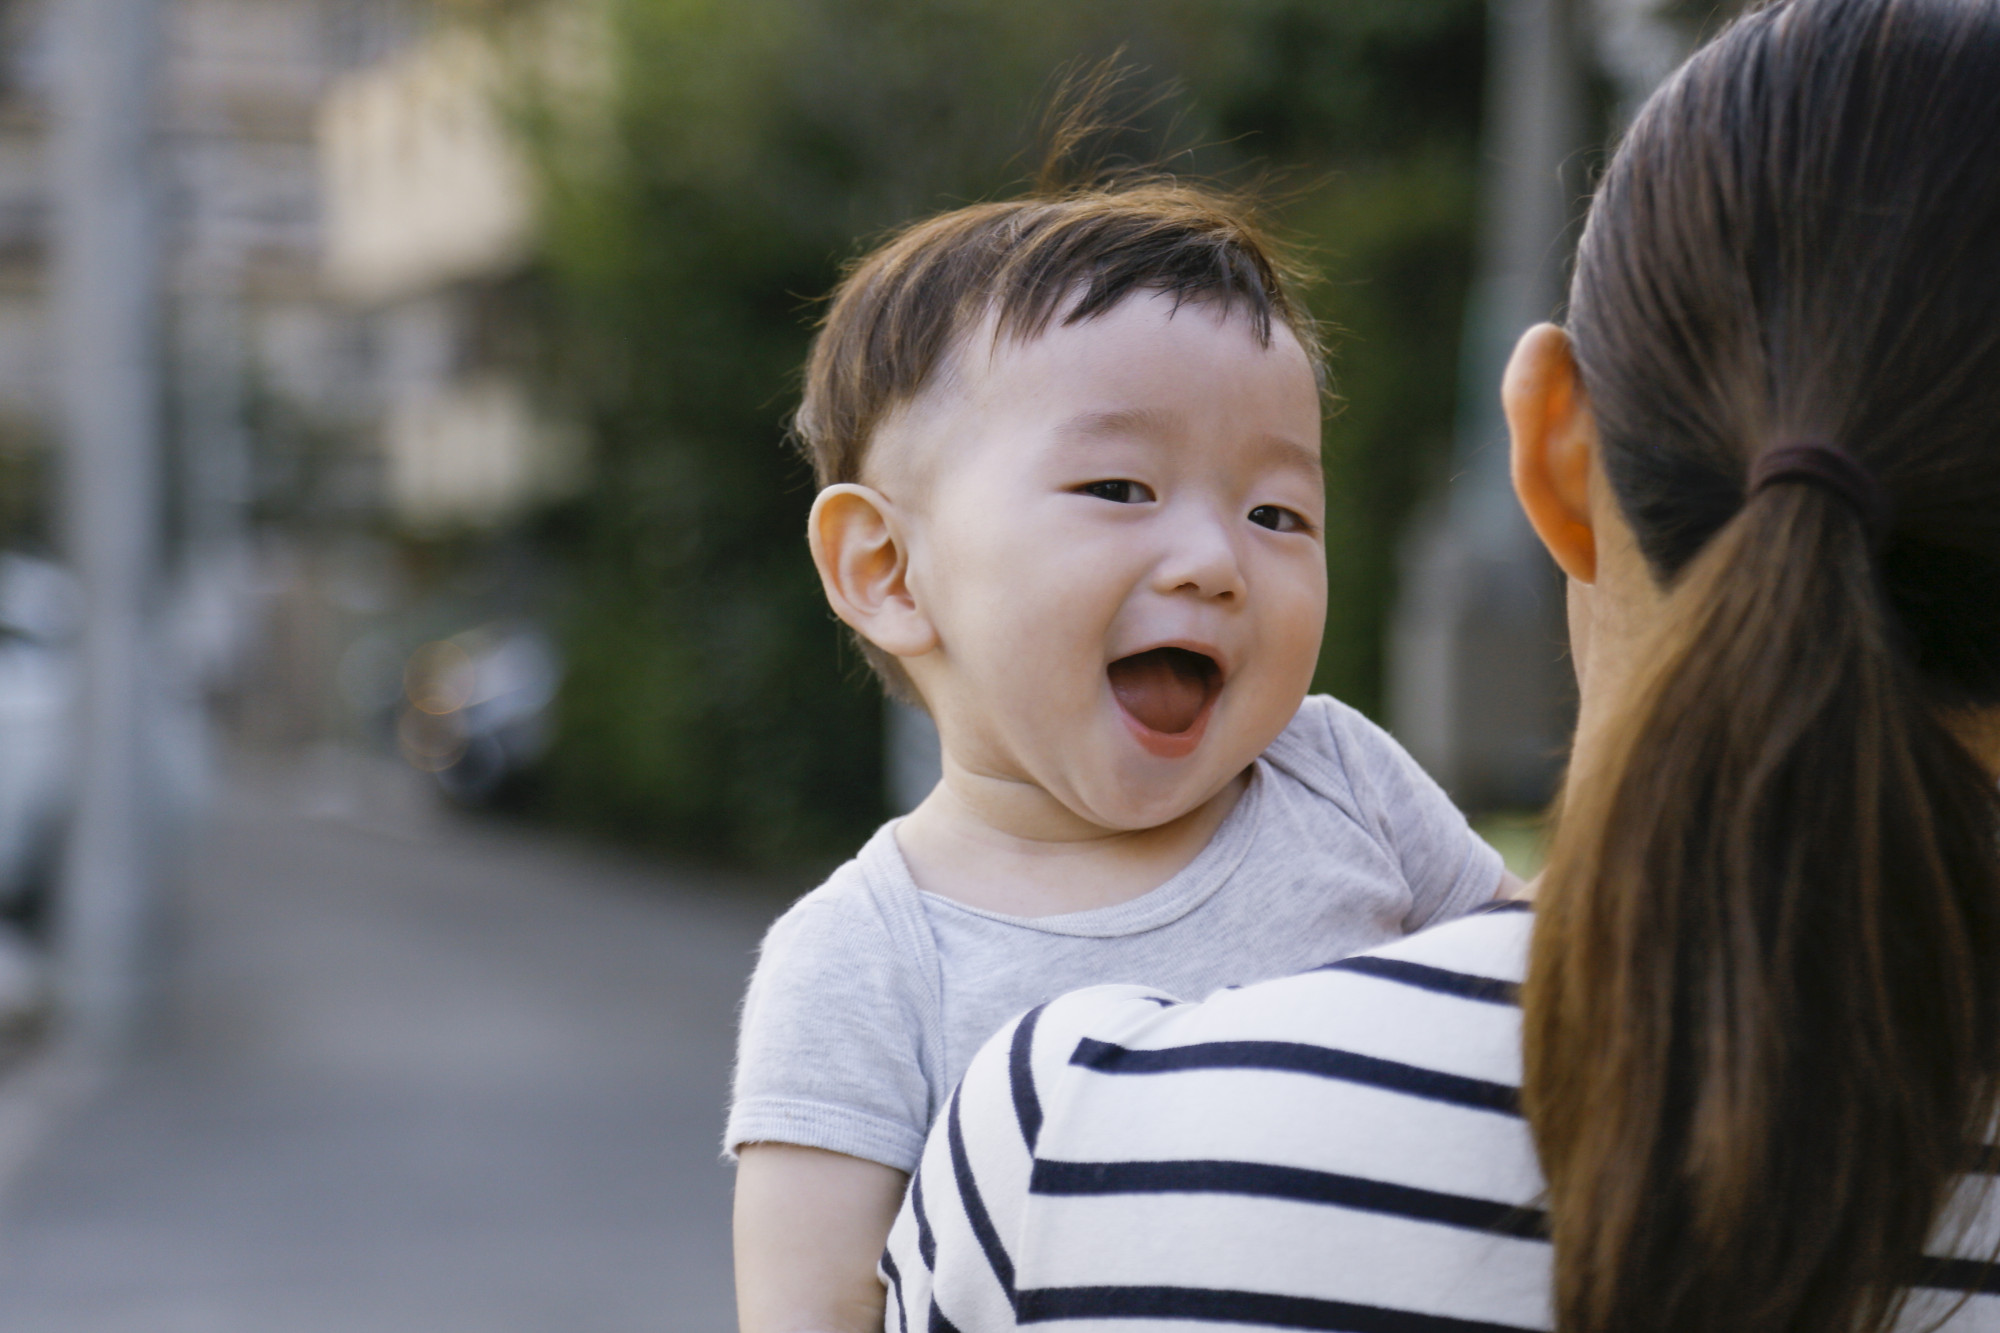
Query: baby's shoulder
[842,914]
[1326,729]
[837,960]
[1327,749]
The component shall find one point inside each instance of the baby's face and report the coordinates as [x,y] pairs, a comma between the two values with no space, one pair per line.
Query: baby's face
[1117,537]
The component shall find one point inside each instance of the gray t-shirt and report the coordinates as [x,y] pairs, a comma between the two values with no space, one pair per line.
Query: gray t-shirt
[871,996]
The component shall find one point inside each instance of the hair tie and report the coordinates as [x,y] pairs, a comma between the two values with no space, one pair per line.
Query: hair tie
[1831,469]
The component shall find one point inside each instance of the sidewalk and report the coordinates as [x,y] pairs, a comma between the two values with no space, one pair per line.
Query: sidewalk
[423,1078]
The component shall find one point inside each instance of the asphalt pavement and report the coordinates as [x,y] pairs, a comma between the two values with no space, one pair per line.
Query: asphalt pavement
[411,1075]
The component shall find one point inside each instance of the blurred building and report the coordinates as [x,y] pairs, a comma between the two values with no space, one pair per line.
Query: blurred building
[342,223]
[267,381]
[429,218]
[240,194]
[345,221]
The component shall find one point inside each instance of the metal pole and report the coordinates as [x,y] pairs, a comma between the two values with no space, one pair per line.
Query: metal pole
[107,312]
[1477,683]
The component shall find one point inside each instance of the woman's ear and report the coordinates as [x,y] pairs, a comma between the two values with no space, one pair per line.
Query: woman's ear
[864,566]
[1554,447]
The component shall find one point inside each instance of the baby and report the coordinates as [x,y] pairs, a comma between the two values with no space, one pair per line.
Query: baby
[1069,456]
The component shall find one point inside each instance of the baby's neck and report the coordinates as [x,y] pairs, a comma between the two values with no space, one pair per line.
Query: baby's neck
[1024,854]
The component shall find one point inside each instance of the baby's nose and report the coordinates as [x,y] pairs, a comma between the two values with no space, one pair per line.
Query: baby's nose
[1203,561]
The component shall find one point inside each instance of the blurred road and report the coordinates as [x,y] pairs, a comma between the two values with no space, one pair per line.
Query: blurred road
[416,1077]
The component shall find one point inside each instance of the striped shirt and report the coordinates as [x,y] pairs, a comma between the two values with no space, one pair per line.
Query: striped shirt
[1342,1149]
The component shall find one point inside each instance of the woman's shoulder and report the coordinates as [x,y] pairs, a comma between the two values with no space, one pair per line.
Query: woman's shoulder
[1433,1012]
[1344,1140]
[1476,960]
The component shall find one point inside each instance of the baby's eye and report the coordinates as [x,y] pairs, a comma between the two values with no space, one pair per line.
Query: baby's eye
[1278,519]
[1119,492]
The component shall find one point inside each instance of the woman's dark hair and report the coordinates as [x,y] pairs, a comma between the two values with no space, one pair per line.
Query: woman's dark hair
[1763,1007]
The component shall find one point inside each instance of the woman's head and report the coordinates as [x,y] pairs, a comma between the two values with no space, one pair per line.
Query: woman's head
[1800,241]
[1764,1009]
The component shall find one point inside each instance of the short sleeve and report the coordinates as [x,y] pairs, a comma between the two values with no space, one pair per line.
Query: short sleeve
[1449,868]
[830,1050]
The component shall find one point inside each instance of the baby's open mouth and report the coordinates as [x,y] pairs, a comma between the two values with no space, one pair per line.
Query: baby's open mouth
[1166,689]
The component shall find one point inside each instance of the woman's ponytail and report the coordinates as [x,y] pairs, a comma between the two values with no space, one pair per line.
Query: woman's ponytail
[1763,1012]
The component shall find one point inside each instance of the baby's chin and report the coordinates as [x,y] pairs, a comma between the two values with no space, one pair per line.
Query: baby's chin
[1139,791]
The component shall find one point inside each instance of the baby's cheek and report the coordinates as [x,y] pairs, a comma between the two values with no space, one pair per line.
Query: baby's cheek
[1294,612]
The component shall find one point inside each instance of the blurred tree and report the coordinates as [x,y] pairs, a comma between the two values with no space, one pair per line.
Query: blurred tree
[749,147]
[24,488]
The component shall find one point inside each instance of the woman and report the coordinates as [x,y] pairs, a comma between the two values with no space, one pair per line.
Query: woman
[1749,1071]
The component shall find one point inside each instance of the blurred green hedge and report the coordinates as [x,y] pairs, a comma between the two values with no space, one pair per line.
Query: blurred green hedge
[750,148]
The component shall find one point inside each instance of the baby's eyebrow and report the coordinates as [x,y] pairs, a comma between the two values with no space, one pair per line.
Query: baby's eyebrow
[1289,451]
[1151,421]
[1159,423]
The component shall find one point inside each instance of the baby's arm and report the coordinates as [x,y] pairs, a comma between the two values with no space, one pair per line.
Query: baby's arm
[810,1227]
[829,1112]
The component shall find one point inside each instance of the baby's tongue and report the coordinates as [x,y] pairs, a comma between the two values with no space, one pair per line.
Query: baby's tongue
[1164,688]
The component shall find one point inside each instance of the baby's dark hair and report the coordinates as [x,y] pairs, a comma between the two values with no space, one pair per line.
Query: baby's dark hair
[1074,253]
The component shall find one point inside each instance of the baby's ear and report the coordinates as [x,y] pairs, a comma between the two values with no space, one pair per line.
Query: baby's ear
[857,543]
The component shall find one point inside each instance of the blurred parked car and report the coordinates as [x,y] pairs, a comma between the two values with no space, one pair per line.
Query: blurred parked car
[38,678]
[475,709]
[38,673]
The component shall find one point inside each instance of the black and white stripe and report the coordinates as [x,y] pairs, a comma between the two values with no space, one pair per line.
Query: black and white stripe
[1339,1150]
